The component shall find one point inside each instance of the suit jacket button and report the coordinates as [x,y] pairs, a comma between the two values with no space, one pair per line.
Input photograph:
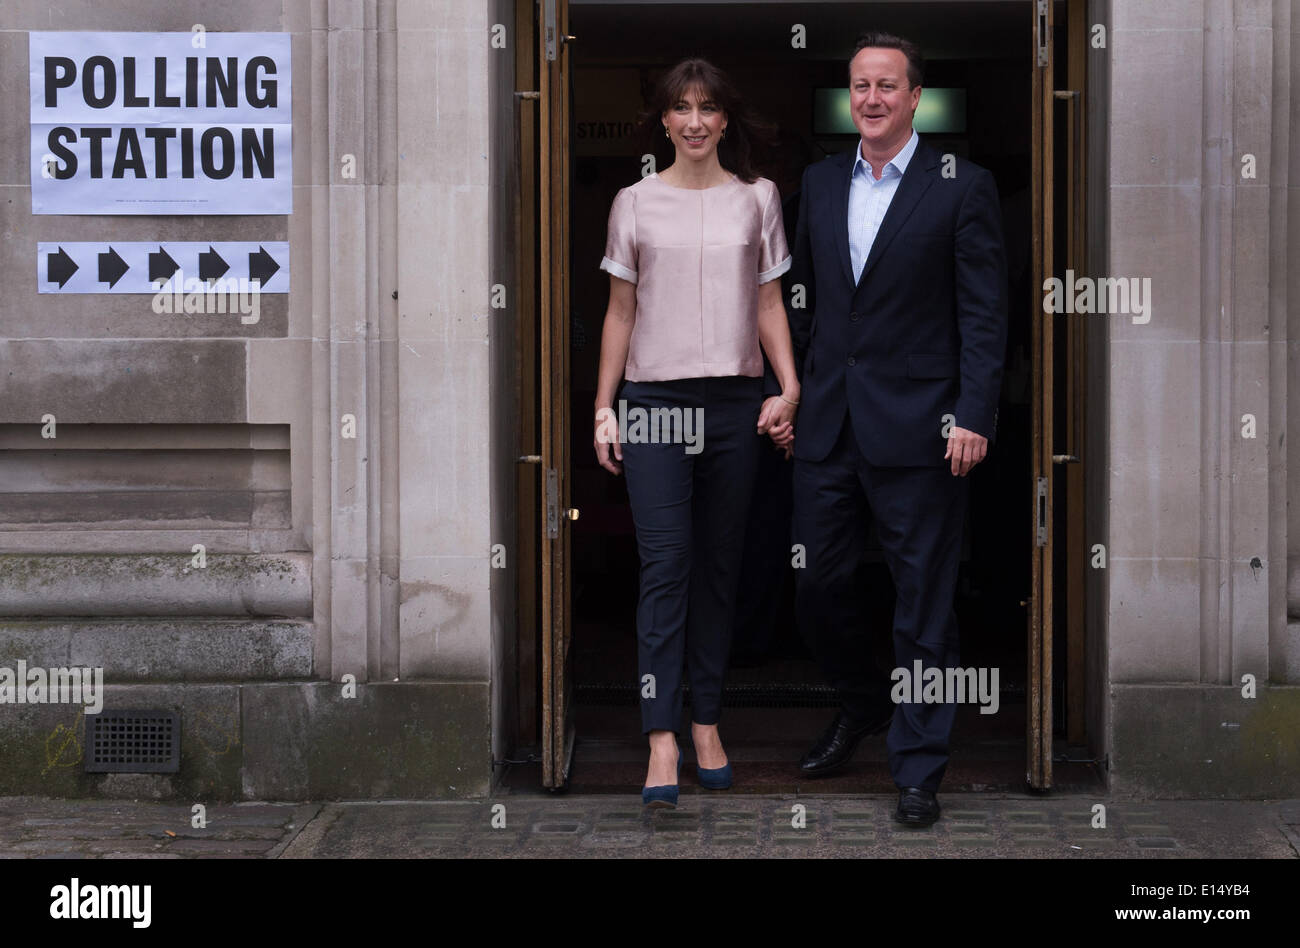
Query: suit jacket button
[853,317]
[852,361]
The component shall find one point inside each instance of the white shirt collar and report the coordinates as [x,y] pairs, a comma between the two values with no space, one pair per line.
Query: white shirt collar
[899,161]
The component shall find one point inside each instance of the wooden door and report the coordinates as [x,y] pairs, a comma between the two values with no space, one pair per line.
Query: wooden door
[1039,693]
[557,668]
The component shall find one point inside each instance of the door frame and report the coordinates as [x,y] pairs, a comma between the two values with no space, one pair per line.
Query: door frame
[1057,473]
[1038,693]
[550,156]
[555,503]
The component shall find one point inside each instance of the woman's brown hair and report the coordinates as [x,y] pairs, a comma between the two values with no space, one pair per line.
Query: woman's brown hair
[749,139]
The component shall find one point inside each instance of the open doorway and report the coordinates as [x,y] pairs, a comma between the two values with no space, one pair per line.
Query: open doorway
[777,702]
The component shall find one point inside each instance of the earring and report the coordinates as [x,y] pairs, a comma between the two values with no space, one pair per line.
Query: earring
[724,132]
[666,135]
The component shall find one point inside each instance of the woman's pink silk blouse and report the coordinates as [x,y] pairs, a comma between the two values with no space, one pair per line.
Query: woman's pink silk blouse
[697,258]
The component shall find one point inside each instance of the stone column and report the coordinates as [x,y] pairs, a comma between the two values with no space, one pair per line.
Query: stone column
[1199,149]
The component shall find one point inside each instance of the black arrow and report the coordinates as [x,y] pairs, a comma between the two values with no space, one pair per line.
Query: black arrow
[59,268]
[261,266]
[111,267]
[211,266]
[161,266]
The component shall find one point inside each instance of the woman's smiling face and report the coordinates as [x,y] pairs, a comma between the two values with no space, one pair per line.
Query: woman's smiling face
[695,125]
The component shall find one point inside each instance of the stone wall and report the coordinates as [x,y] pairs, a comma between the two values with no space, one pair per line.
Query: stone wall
[1197,476]
[327,555]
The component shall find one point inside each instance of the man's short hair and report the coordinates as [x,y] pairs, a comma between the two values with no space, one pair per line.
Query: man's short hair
[878,40]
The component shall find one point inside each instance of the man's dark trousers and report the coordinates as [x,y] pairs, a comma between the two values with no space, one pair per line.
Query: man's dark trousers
[899,353]
[919,513]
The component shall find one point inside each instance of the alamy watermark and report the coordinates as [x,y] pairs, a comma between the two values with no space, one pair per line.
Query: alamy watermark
[637,425]
[1085,295]
[224,295]
[936,685]
[75,900]
[38,685]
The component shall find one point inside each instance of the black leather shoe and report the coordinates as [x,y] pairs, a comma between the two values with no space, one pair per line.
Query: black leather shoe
[836,746]
[916,807]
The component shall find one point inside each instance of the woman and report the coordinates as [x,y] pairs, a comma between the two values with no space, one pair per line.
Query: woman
[694,254]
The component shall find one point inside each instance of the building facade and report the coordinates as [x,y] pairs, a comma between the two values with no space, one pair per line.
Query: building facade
[303,534]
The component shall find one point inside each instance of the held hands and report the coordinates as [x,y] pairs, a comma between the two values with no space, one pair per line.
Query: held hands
[608,449]
[776,420]
[965,450]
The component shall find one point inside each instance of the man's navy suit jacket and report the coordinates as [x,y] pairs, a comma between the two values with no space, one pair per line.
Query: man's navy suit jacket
[922,335]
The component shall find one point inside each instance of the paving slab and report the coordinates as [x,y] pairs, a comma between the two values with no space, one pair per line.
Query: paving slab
[703,826]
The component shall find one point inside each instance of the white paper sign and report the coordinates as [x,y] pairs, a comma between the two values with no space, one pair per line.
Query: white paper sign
[153,123]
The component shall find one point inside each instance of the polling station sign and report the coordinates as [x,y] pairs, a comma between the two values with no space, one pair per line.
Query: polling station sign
[161,123]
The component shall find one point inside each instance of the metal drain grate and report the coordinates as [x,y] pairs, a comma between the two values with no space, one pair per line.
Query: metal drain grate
[133,742]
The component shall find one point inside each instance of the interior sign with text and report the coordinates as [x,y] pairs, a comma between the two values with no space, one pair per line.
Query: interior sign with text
[161,123]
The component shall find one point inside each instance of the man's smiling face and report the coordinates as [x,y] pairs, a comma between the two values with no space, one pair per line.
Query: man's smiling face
[881,98]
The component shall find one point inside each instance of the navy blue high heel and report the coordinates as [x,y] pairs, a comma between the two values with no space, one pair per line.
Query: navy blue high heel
[719,778]
[664,796]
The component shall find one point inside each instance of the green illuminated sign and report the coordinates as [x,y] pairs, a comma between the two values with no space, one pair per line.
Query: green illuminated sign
[941,110]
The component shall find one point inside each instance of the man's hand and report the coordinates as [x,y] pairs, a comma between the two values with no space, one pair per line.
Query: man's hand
[965,450]
[783,439]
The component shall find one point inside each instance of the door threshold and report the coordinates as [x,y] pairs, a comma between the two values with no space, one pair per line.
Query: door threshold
[618,768]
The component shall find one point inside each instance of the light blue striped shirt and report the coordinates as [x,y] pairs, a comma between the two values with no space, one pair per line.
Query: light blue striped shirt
[869,199]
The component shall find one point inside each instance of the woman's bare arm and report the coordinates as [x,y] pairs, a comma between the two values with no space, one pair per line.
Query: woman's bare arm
[615,335]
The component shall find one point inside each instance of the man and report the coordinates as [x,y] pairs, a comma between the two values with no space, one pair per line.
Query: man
[900,341]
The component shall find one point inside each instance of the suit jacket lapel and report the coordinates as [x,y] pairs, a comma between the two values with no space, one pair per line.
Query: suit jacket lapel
[916,181]
[840,207]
